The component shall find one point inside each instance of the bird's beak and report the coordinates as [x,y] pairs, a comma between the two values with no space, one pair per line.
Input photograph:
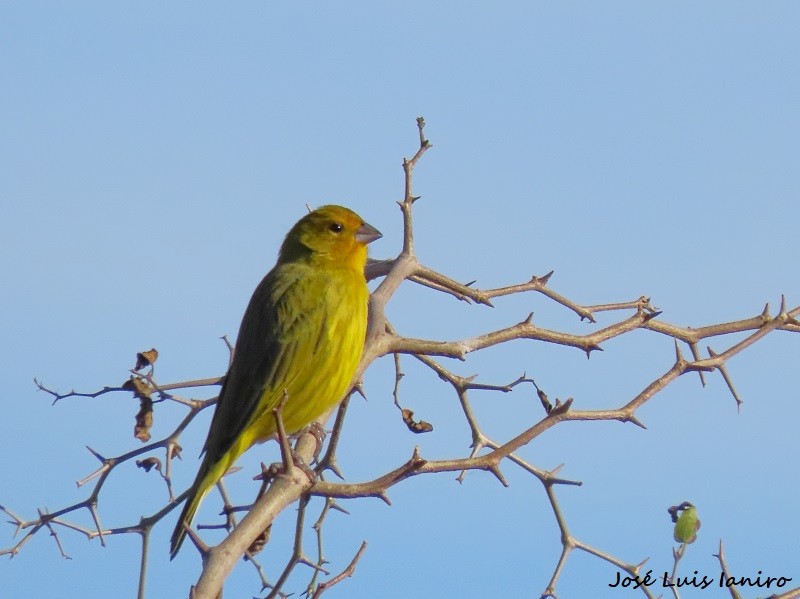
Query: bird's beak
[367,234]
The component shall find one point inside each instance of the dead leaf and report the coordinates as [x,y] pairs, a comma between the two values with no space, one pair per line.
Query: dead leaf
[146,358]
[148,464]
[144,420]
[139,386]
[415,427]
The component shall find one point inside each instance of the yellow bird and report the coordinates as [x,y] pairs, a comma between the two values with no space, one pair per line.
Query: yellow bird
[301,337]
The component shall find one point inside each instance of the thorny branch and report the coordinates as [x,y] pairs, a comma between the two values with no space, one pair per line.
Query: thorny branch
[282,489]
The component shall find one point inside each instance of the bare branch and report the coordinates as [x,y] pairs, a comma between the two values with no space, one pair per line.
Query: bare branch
[294,482]
[346,573]
[721,557]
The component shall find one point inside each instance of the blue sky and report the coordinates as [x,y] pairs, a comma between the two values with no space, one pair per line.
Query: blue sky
[153,156]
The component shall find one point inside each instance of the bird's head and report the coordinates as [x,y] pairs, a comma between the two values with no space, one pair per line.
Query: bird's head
[331,235]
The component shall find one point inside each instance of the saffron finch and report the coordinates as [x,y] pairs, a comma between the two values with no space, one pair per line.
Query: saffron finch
[301,338]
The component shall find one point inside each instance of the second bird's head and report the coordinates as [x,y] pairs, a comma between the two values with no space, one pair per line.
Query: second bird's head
[330,234]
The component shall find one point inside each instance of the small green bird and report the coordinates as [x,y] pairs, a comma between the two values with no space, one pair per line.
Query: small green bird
[301,337]
[687,524]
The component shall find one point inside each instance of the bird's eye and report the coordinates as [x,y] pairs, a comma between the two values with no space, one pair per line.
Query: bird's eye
[336,227]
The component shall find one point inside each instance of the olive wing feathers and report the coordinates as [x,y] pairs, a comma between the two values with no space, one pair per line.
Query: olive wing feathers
[277,336]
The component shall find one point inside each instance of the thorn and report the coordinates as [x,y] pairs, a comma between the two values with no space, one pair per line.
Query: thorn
[476,446]
[651,315]
[546,278]
[417,460]
[97,455]
[642,563]
[696,356]
[268,472]
[724,372]
[334,467]
[339,508]
[679,359]
[307,562]
[765,313]
[96,518]
[529,319]
[783,304]
[495,469]
[591,348]
[283,439]
[561,408]
[632,418]
[196,540]
[359,388]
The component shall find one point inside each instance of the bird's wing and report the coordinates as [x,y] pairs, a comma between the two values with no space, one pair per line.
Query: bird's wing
[278,335]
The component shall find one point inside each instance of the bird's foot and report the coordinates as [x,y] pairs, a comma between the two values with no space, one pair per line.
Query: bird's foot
[309,472]
[269,473]
[316,430]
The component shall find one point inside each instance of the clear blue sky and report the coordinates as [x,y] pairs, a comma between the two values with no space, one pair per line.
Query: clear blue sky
[152,157]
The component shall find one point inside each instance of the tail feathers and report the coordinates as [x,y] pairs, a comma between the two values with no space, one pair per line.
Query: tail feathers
[207,477]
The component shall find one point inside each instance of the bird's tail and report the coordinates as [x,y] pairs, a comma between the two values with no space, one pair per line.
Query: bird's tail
[208,475]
